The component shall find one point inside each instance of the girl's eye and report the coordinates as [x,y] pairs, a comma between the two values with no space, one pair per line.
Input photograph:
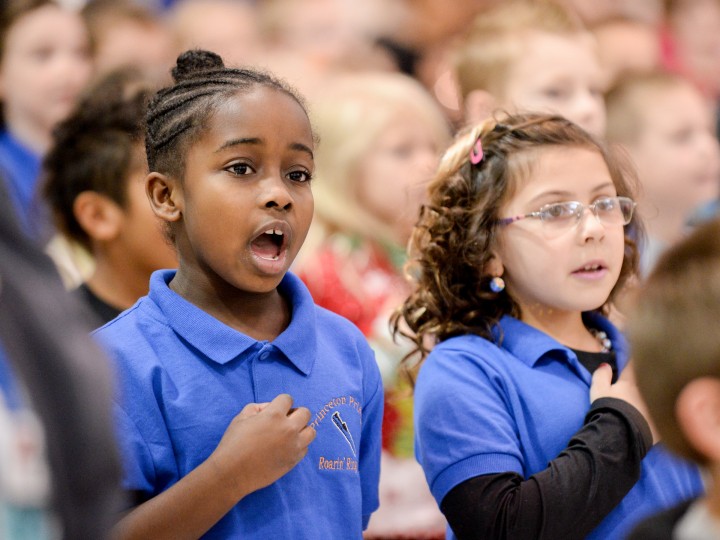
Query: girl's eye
[556,93]
[596,91]
[402,151]
[42,53]
[681,136]
[557,211]
[607,204]
[240,169]
[300,176]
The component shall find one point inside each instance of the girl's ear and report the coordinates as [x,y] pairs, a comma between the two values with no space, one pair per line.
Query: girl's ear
[165,196]
[99,216]
[494,267]
[697,410]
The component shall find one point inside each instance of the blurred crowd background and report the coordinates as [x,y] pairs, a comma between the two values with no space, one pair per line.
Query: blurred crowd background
[387,83]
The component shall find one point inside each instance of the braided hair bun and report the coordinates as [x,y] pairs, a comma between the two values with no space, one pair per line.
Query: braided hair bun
[195,61]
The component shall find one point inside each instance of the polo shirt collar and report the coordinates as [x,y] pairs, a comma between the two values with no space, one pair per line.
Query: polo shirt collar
[530,344]
[221,343]
[299,340]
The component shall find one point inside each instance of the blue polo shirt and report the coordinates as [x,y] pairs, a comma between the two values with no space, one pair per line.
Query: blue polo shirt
[20,170]
[481,408]
[184,375]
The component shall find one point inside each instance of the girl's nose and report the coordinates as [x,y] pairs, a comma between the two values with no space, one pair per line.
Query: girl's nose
[274,194]
[589,226]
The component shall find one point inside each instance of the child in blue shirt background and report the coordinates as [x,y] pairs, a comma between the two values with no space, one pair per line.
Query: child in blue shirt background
[230,154]
[45,65]
[523,427]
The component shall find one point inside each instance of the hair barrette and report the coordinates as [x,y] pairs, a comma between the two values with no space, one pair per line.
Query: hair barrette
[476,153]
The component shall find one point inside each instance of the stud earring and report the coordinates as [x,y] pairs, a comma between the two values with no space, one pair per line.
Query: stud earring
[497,284]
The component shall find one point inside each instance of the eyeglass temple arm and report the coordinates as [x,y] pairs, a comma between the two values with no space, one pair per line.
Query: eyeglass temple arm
[509,220]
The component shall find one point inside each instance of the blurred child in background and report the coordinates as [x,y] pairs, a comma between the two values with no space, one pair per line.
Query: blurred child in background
[95,185]
[677,361]
[626,45]
[593,12]
[44,66]
[666,126]
[308,42]
[126,33]
[381,135]
[691,43]
[531,56]
[229,27]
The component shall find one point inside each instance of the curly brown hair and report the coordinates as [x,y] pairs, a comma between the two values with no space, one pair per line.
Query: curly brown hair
[453,239]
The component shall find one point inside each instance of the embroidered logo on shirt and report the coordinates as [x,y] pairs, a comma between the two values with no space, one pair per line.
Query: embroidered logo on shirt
[341,410]
[343,428]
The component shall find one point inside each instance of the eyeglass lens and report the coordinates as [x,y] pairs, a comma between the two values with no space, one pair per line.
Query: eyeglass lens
[613,210]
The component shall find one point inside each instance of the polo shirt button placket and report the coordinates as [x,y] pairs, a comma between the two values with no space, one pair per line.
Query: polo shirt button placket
[266,375]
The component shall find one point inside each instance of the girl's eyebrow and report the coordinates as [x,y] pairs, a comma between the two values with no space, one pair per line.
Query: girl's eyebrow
[604,185]
[569,194]
[551,194]
[303,148]
[257,141]
[237,142]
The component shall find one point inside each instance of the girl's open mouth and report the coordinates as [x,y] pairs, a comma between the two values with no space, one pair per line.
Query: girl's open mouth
[592,270]
[269,245]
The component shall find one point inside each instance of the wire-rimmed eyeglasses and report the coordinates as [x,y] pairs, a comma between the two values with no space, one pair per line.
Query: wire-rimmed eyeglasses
[608,210]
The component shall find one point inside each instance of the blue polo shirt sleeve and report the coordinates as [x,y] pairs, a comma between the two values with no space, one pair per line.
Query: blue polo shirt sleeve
[371,442]
[138,468]
[463,421]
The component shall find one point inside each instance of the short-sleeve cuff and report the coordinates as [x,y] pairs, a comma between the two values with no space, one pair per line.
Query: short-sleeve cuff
[470,468]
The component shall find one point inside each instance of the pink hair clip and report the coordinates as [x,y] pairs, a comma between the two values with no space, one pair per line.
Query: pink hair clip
[476,154]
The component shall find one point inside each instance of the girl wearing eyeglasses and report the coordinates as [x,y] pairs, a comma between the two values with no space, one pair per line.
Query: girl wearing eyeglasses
[528,420]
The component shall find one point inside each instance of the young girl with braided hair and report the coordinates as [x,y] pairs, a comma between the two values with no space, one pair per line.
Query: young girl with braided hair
[206,361]
[523,427]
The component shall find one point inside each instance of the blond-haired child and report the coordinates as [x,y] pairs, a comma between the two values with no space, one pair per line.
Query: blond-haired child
[381,135]
[527,56]
[666,126]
